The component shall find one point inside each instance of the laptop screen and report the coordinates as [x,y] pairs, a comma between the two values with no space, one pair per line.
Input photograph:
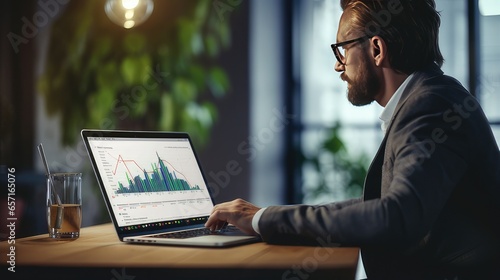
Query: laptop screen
[150,182]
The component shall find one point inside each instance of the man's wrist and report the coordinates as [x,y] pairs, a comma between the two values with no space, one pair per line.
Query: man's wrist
[256,219]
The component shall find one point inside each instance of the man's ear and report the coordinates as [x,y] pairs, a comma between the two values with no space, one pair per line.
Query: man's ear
[378,50]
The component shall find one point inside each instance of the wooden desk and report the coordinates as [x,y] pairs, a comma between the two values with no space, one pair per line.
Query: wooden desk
[98,254]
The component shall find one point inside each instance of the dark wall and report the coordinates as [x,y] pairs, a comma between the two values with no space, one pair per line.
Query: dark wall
[17,56]
[227,170]
[16,84]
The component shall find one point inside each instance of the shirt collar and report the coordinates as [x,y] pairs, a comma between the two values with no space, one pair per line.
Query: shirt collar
[390,107]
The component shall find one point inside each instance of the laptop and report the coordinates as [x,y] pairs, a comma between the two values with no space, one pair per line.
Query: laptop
[154,188]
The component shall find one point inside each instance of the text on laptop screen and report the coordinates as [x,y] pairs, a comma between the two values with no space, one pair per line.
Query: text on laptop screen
[141,175]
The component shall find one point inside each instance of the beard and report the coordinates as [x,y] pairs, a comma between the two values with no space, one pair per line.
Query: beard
[365,86]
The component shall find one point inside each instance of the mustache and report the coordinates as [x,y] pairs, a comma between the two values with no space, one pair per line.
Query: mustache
[344,78]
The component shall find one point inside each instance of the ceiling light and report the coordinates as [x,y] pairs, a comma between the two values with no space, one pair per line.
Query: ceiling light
[128,13]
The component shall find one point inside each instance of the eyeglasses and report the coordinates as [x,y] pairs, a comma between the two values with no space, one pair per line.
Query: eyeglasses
[339,52]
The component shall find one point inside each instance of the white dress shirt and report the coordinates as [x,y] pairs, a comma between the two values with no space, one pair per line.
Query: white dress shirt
[388,112]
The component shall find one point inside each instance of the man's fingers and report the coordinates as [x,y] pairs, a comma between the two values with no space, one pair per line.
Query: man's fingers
[216,220]
[237,212]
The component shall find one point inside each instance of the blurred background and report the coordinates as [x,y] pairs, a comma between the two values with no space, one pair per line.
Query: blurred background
[251,81]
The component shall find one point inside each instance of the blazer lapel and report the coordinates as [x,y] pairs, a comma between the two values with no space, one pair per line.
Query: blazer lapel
[373,180]
[415,84]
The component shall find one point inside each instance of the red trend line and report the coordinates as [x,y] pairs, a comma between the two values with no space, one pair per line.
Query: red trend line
[120,159]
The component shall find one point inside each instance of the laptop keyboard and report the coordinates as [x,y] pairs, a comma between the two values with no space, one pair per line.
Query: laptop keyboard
[194,233]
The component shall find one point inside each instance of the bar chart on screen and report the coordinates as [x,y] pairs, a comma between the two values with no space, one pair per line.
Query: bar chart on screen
[162,175]
[160,178]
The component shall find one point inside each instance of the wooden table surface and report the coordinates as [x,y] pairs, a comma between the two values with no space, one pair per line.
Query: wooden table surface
[98,254]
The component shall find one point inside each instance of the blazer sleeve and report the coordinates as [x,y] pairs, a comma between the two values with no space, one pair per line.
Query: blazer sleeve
[424,171]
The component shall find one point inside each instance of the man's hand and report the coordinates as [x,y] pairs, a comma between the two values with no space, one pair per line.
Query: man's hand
[237,212]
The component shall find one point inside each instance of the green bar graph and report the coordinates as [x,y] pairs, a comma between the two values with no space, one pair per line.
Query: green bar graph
[160,179]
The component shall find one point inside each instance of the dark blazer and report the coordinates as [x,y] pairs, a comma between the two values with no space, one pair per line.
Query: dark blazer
[431,202]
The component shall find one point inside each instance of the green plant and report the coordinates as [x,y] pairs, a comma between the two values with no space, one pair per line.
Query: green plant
[160,75]
[332,166]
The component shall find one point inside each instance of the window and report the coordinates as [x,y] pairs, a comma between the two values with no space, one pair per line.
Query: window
[489,59]
[324,102]
[323,94]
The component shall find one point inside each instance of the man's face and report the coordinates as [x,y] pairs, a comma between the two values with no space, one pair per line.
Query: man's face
[359,70]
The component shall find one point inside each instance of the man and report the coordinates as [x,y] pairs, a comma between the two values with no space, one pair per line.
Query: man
[430,206]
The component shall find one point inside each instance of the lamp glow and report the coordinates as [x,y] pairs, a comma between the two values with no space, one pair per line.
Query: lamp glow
[129,4]
[128,13]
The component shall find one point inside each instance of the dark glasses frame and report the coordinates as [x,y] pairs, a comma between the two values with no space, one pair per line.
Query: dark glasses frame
[335,47]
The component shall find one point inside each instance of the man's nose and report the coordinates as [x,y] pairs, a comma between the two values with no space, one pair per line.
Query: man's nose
[339,67]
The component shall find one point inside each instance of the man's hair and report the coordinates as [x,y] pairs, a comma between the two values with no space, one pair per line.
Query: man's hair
[409,28]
